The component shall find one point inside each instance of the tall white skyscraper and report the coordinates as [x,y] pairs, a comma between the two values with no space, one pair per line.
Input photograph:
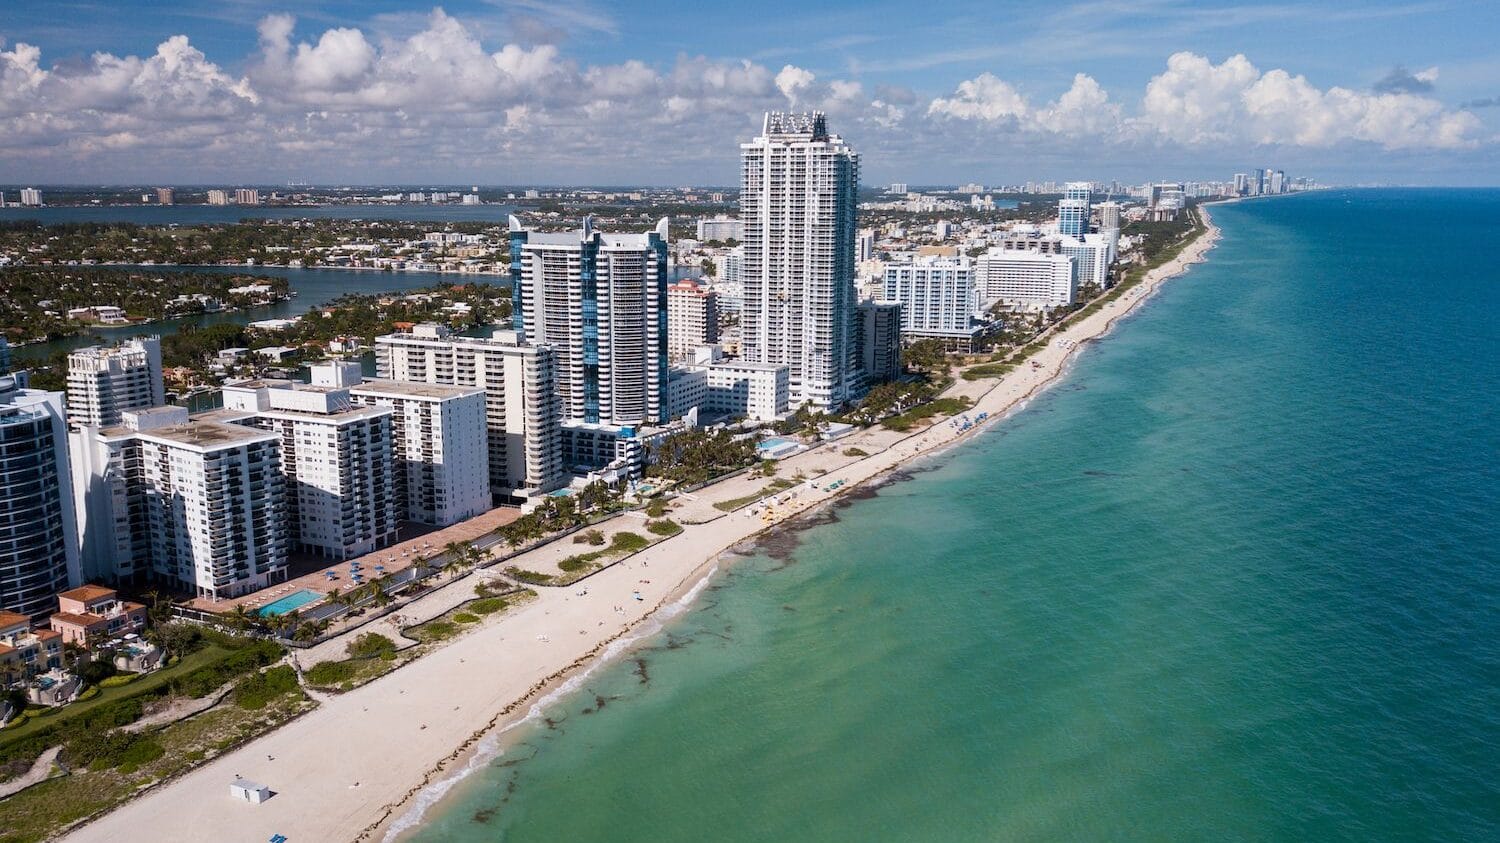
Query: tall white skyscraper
[104,382]
[198,504]
[441,450]
[31,197]
[39,539]
[522,406]
[798,206]
[601,301]
[337,458]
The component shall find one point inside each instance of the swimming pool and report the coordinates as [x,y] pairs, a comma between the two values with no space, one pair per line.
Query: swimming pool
[290,603]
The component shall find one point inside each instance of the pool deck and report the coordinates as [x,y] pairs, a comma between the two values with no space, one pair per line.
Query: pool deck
[397,557]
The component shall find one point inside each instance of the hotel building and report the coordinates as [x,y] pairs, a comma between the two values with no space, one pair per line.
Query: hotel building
[1028,278]
[195,504]
[692,318]
[441,447]
[938,297]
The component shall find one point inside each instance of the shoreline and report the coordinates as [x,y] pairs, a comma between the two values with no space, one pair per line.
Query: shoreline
[369,763]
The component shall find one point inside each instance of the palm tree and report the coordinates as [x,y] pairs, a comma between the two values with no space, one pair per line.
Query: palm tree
[239,618]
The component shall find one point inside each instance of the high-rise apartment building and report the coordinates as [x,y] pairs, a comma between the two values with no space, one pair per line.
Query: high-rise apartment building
[878,339]
[218,197]
[193,503]
[38,528]
[692,318]
[31,197]
[336,456]
[166,196]
[938,296]
[1073,209]
[523,409]
[720,228]
[441,446]
[798,206]
[246,196]
[105,381]
[600,300]
[1109,216]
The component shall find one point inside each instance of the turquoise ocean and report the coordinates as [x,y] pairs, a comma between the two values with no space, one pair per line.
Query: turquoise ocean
[1236,577]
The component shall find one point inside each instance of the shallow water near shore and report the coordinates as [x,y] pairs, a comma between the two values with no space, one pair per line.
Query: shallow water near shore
[1236,577]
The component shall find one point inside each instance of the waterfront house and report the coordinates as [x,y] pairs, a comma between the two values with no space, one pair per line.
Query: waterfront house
[95,612]
[25,652]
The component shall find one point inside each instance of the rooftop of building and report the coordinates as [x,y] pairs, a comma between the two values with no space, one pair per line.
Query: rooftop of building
[412,389]
[88,593]
[10,619]
[204,434]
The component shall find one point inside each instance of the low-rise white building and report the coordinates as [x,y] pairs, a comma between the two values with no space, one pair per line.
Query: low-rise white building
[1027,278]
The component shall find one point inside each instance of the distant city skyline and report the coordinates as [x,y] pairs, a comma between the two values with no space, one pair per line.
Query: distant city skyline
[520,92]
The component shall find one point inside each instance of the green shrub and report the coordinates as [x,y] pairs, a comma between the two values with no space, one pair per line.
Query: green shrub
[489,605]
[88,694]
[436,630]
[534,577]
[576,563]
[371,645]
[628,542]
[113,748]
[118,679]
[593,537]
[664,527]
[94,672]
[254,692]
[465,617]
[329,674]
[856,452]
[656,508]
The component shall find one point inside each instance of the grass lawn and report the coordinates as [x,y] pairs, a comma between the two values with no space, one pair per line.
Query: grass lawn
[209,655]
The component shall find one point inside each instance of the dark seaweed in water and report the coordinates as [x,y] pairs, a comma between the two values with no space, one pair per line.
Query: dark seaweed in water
[640,670]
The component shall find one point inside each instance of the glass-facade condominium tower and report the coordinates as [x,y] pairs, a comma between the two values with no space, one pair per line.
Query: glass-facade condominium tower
[600,300]
[798,205]
[38,531]
[1073,210]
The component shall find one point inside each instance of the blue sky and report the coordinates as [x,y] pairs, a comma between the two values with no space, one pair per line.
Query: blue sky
[526,91]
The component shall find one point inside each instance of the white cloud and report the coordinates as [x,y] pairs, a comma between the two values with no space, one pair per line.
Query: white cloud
[346,101]
[1196,101]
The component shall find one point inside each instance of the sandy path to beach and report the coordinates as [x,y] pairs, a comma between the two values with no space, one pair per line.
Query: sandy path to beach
[354,765]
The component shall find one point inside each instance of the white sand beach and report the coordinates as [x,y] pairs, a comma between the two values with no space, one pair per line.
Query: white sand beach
[359,763]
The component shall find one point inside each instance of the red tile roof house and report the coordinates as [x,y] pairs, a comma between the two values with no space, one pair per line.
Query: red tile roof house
[95,611]
[25,652]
